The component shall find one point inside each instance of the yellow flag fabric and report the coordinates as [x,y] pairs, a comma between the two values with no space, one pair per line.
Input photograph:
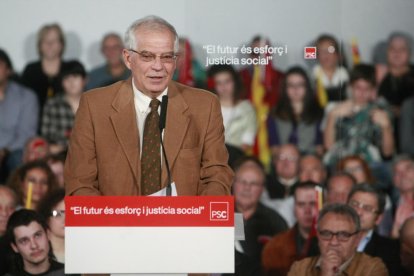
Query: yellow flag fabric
[262,111]
[321,94]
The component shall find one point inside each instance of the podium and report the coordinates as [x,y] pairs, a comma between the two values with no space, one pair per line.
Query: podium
[136,234]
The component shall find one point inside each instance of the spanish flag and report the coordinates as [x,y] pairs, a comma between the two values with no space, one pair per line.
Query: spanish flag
[321,94]
[356,58]
[261,148]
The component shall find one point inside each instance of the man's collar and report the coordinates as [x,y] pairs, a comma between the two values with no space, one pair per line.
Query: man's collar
[143,101]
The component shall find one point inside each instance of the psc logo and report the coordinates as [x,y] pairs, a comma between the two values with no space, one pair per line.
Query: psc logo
[219,211]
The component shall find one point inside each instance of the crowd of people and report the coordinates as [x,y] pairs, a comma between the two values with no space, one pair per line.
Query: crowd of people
[345,131]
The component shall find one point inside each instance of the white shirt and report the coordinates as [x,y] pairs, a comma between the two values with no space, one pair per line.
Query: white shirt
[364,241]
[142,109]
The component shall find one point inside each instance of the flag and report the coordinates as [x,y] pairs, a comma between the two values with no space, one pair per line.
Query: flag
[186,72]
[356,58]
[321,94]
[261,147]
[28,204]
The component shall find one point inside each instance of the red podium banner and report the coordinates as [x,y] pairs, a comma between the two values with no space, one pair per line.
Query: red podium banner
[126,234]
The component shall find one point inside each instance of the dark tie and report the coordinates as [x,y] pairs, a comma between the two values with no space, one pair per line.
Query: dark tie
[151,156]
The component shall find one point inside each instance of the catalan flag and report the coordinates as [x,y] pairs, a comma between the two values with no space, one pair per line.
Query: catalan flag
[321,93]
[356,58]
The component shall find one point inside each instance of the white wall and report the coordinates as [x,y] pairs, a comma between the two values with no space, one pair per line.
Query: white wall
[293,23]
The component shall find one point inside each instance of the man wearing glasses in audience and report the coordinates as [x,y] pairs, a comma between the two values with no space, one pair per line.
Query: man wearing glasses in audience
[338,231]
[115,147]
[369,203]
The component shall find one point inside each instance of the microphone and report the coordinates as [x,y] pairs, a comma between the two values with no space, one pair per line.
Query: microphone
[163,119]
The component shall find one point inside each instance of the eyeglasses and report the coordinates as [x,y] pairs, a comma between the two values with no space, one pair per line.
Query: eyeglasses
[57,213]
[341,236]
[366,208]
[150,57]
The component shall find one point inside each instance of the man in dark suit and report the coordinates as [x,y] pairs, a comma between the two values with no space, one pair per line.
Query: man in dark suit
[369,203]
[108,146]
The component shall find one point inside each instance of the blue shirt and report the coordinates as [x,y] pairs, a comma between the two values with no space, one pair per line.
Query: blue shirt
[19,115]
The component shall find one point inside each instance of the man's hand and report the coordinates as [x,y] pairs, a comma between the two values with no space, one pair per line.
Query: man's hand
[331,262]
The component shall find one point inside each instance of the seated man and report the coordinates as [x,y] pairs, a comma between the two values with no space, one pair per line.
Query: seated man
[260,221]
[338,188]
[114,69]
[19,118]
[279,188]
[407,246]
[26,232]
[311,168]
[294,244]
[338,231]
[369,203]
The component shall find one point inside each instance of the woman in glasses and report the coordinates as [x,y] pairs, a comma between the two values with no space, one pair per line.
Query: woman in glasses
[53,209]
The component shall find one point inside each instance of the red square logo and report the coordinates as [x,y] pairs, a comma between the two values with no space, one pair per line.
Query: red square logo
[219,211]
[310,52]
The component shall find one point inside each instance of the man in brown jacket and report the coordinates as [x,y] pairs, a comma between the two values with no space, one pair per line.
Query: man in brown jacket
[338,231]
[106,149]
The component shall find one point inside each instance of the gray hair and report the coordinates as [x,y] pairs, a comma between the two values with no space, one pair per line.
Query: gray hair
[150,22]
[343,210]
[407,38]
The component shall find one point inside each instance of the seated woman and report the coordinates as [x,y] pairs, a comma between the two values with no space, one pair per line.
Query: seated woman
[360,125]
[357,167]
[239,117]
[297,116]
[52,208]
[32,182]
[330,70]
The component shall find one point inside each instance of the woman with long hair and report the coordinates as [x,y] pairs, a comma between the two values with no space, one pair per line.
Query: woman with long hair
[297,116]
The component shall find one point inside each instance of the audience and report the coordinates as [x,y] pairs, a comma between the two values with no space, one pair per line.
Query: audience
[280,186]
[297,116]
[239,117]
[114,68]
[338,231]
[330,71]
[357,167]
[296,243]
[26,232]
[404,182]
[8,204]
[59,111]
[279,120]
[43,76]
[36,148]
[36,174]
[18,113]
[407,246]
[338,187]
[359,125]
[189,71]
[56,163]
[260,221]
[52,208]
[406,126]
[369,204]
[312,169]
